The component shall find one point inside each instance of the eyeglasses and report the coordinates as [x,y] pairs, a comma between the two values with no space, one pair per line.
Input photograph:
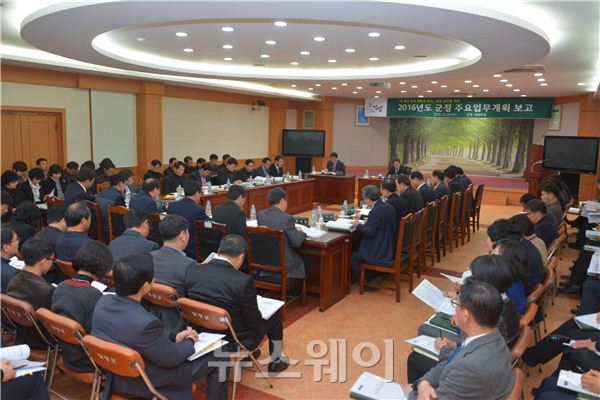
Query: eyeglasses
[51,259]
[455,303]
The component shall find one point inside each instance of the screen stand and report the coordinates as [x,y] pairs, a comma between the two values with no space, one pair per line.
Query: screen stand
[304,164]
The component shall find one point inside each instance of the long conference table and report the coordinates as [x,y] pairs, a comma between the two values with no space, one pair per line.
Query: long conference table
[333,189]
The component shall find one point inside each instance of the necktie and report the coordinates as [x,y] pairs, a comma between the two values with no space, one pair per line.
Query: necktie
[453,354]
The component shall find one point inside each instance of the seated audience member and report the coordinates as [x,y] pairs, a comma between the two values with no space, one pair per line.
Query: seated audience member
[582,224]
[32,188]
[378,235]
[128,177]
[76,298]
[31,387]
[549,389]
[418,183]
[231,212]
[55,185]
[544,226]
[516,258]
[335,165]
[10,248]
[20,168]
[155,170]
[5,204]
[223,162]
[81,190]
[245,173]
[204,175]
[489,269]
[189,209]
[78,220]
[146,199]
[480,368]
[200,161]
[105,169]
[460,174]
[42,163]
[414,198]
[24,220]
[175,179]
[397,168]
[579,275]
[30,286]
[263,170]
[400,204]
[213,160]
[455,185]
[165,356]
[54,230]
[69,175]
[550,195]
[229,173]
[503,229]
[528,232]
[275,217]
[220,283]
[169,169]
[133,241]
[111,196]
[565,196]
[10,184]
[525,198]
[190,165]
[276,169]
[89,164]
[439,186]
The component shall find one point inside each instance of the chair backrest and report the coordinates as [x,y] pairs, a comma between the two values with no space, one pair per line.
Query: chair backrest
[101,186]
[95,230]
[154,234]
[528,315]
[466,204]
[162,295]
[116,223]
[442,211]
[553,263]
[204,315]
[479,195]
[208,238]
[62,328]
[22,313]
[66,267]
[421,219]
[517,392]
[453,207]
[522,343]
[431,210]
[266,249]
[408,233]
[402,231]
[548,279]
[536,294]
[114,358]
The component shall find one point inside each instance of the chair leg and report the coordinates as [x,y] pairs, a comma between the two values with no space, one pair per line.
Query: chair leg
[410,276]
[304,291]
[259,369]
[432,250]
[361,289]
[397,283]
[478,210]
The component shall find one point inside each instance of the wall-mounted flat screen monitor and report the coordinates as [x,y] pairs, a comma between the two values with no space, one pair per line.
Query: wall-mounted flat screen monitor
[571,153]
[303,143]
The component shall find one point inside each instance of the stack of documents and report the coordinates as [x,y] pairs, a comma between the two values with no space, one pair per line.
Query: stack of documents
[594,267]
[373,387]
[18,355]
[341,225]
[433,297]
[206,343]
[312,233]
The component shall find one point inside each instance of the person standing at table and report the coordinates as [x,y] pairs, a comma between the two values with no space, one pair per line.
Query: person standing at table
[335,165]
[276,169]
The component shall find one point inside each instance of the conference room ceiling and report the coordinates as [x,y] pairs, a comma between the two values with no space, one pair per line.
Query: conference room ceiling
[310,49]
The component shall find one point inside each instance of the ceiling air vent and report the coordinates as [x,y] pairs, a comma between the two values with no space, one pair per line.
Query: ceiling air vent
[530,69]
[385,85]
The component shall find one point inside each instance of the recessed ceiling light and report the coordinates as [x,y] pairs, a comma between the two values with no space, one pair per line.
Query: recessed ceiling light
[399,47]
[264,56]
[414,86]
[373,58]
[470,95]
[332,60]
[485,90]
[311,88]
[319,39]
[580,83]
[516,90]
[294,63]
[355,92]
[333,88]
[293,85]
[359,87]
[270,42]
[227,29]
[538,74]
[509,85]
[434,82]
[227,46]
[305,53]
[467,81]
[444,86]
[181,34]
[188,50]
[349,50]
[402,83]
[523,95]
[374,34]
[344,84]
[378,91]
[403,91]
[317,84]
[541,80]
[420,95]
[280,24]
[376,97]
[543,84]
[141,39]
[497,75]
[430,91]
[475,86]
[456,90]
[228,59]
[503,80]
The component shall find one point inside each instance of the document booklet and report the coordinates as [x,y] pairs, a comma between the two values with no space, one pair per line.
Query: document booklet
[441,321]
[590,206]
[594,217]
[206,343]
[425,345]
[268,306]
[340,225]
[572,381]
[311,233]
[588,322]
[452,278]
[592,234]
[18,357]
[433,297]
[210,257]
[373,387]
[594,267]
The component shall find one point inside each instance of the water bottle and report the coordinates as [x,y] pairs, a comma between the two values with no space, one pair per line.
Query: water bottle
[314,170]
[300,175]
[208,209]
[252,212]
[321,221]
[127,197]
[366,173]
[313,218]
[179,192]
[345,208]
[227,184]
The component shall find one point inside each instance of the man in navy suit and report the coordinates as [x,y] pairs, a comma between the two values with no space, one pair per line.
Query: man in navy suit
[203,175]
[78,220]
[276,168]
[418,183]
[378,234]
[388,190]
[189,209]
[544,225]
[397,168]
[229,173]
[165,356]
[263,170]
[133,241]
[80,190]
[452,180]
[335,165]
[146,199]
[414,198]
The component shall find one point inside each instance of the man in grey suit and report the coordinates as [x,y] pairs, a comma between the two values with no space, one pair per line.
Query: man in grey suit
[133,241]
[276,218]
[480,368]
[440,188]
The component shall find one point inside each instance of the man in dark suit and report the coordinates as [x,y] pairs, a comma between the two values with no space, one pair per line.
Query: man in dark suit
[276,169]
[439,186]
[133,241]
[388,191]
[221,284]
[231,213]
[414,198]
[453,183]
[55,185]
[175,179]
[460,174]
[105,169]
[78,220]
[32,188]
[165,356]
[80,190]
[56,224]
[397,168]
[246,173]
[204,175]
[228,173]
[111,196]
[378,234]
[189,209]
[418,183]
[169,170]
[10,248]
[155,170]
[42,164]
[544,225]
[146,199]
[275,217]
[213,160]
[190,165]
[263,170]
[335,165]
[480,368]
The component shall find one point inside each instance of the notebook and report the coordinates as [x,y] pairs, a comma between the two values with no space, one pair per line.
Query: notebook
[206,343]
[425,345]
[268,306]
[373,387]
[588,322]
[572,381]
[18,357]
